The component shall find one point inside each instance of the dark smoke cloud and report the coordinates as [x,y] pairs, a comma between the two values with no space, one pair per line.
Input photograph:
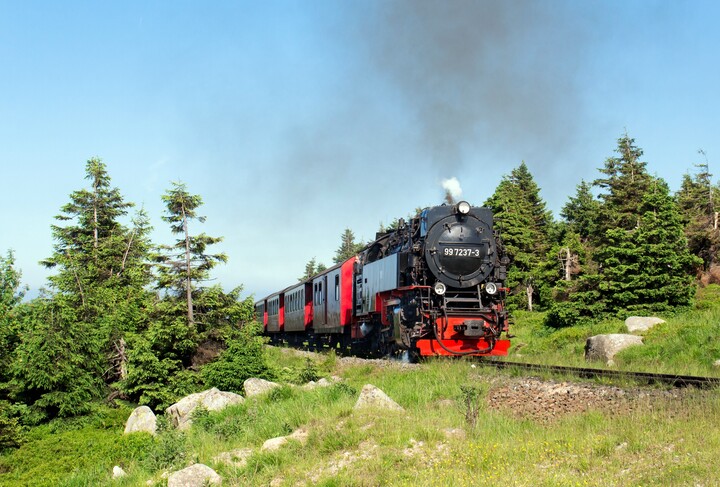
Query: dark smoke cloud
[499,75]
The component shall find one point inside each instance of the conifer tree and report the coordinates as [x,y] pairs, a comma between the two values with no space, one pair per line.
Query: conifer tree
[11,294]
[581,212]
[649,267]
[91,241]
[69,336]
[348,247]
[311,268]
[697,202]
[636,255]
[626,181]
[524,223]
[186,263]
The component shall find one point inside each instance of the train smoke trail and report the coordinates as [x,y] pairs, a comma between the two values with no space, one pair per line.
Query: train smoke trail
[482,75]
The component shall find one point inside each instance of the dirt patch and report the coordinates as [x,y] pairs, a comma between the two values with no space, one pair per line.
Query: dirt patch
[545,400]
[206,352]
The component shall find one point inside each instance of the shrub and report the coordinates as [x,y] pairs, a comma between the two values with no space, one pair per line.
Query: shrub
[243,359]
[10,429]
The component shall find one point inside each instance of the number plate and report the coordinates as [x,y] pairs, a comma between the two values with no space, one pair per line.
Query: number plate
[461,252]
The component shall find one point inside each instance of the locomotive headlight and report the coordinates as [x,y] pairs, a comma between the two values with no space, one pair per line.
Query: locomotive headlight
[491,288]
[439,288]
[463,207]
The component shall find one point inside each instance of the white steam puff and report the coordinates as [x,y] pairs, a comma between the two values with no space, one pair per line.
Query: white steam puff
[452,187]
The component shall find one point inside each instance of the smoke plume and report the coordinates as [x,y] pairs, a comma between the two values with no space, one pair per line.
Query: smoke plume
[497,76]
[453,191]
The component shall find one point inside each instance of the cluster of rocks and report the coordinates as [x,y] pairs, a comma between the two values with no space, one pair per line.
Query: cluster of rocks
[143,419]
[604,347]
[545,401]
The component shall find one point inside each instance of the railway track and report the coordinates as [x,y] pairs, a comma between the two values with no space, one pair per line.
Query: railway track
[647,377]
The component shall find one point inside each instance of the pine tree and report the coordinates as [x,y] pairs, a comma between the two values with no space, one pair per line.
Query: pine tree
[626,180]
[69,337]
[11,295]
[581,212]
[311,268]
[348,247]
[696,200]
[524,224]
[649,267]
[636,258]
[90,245]
[186,264]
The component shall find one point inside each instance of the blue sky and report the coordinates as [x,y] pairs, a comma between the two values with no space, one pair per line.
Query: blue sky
[296,119]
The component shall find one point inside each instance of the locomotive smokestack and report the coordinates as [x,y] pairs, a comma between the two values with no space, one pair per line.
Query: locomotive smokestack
[453,191]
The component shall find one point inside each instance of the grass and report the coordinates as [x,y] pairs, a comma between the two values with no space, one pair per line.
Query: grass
[686,344]
[445,436]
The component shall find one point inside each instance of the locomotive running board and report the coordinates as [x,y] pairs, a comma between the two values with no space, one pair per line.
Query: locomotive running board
[430,347]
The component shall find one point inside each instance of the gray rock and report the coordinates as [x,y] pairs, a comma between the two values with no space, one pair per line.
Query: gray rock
[118,472]
[641,323]
[300,435]
[604,347]
[197,475]
[274,444]
[372,397]
[716,364]
[213,400]
[314,385]
[255,387]
[142,419]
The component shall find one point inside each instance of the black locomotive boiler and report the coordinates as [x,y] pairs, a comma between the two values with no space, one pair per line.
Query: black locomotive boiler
[432,286]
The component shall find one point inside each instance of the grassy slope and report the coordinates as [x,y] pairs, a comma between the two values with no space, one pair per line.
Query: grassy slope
[672,443]
[686,344]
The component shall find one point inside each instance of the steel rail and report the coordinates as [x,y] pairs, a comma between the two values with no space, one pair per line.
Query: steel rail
[668,379]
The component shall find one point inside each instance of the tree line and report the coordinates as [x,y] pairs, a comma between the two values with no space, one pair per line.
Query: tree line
[623,243]
[126,317]
[631,247]
[122,316]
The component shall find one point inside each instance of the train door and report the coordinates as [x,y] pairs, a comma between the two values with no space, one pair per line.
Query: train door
[321,318]
[319,306]
[324,299]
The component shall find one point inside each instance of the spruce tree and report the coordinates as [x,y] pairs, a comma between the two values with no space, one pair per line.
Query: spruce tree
[697,202]
[186,264]
[71,338]
[90,239]
[581,212]
[348,247]
[11,295]
[524,224]
[624,183]
[650,267]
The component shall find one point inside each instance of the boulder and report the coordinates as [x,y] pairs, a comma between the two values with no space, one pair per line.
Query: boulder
[372,397]
[212,400]
[142,419]
[197,475]
[604,347]
[641,323]
[255,387]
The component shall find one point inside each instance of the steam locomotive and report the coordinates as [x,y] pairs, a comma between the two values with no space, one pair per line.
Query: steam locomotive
[431,286]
